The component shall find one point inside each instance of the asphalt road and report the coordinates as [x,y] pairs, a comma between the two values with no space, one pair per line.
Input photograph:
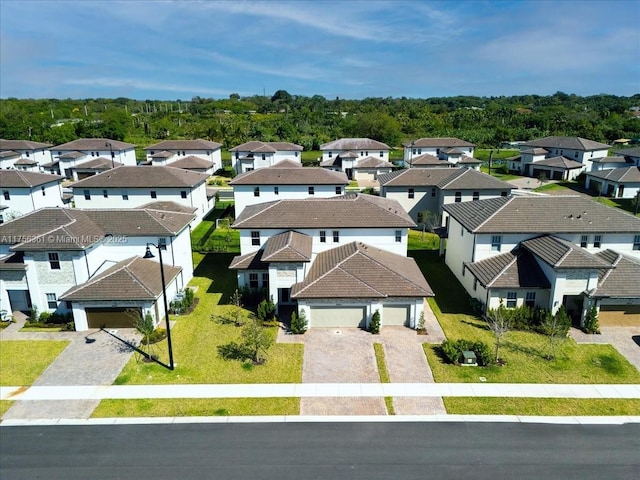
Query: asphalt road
[327,451]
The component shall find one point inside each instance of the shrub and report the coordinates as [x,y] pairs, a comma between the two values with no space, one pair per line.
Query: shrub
[421,327]
[266,310]
[374,325]
[44,317]
[591,324]
[34,315]
[298,323]
[233,351]
[452,351]
[449,351]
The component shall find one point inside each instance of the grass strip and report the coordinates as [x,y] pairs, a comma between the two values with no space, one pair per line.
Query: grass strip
[541,406]
[4,406]
[384,375]
[23,361]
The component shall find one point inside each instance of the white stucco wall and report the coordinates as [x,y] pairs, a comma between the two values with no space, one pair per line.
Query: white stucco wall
[243,195]
[25,200]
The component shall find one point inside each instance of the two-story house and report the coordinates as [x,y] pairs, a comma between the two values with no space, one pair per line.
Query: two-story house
[88,262]
[37,152]
[24,192]
[429,189]
[72,154]
[132,187]
[338,259]
[444,148]
[542,251]
[566,153]
[286,179]
[256,154]
[351,155]
[196,155]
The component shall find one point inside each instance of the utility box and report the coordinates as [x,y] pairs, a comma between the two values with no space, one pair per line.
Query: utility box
[469,359]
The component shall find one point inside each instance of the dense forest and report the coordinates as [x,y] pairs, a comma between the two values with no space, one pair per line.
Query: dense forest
[311,121]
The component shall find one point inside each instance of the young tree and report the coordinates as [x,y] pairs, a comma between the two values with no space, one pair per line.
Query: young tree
[374,325]
[430,221]
[256,340]
[542,178]
[591,321]
[499,323]
[555,327]
[145,326]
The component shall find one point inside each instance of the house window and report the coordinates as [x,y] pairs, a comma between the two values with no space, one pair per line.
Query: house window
[255,237]
[276,191]
[413,152]
[253,280]
[597,241]
[476,196]
[265,281]
[125,195]
[475,284]
[52,301]
[323,236]
[183,194]
[433,192]
[512,299]
[87,195]
[6,194]
[256,192]
[462,231]
[27,153]
[530,299]
[336,236]
[381,154]
[162,243]
[575,154]
[264,156]
[312,190]
[636,242]
[154,194]
[105,193]
[458,197]
[496,243]
[503,193]
[584,240]
[44,192]
[463,269]
[330,154]
[338,190]
[398,236]
[54,261]
[411,193]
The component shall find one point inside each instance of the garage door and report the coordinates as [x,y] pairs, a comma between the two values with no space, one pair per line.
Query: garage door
[330,317]
[556,175]
[619,315]
[112,317]
[395,315]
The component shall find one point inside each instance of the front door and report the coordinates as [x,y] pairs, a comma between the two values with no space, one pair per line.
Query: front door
[284,295]
[620,191]
[20,300]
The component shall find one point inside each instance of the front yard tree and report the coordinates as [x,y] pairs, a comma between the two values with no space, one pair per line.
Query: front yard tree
[591,321]
[256,340]
[556,328]
[430,221]
[145,327]
[499,324]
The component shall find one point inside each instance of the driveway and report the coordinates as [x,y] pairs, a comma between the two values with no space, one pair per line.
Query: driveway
[624,339]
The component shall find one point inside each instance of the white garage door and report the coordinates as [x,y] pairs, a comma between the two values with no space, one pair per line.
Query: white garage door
[395,315]
[330,317]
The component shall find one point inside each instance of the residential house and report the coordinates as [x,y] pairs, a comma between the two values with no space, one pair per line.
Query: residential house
[37,152]
[541,251]
[444,148]
[24,192]
[338,259]
[90,168]
[8,158]
[429,189]
[68,155]
[255,154]
[132,187]
[576,149]
[606,163]
[426,160]
[88,262]
[631,155]
[350,155]
[615,182]
[196,155]
[286,179]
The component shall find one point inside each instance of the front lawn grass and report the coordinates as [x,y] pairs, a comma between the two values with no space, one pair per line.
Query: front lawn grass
[551,187]
[419,240]
[541,406]
[189,407]
[23,361]
[627,204]
[4,406]
[384,375]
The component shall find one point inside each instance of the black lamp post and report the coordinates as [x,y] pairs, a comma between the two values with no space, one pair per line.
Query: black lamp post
[108,144]
[148,254]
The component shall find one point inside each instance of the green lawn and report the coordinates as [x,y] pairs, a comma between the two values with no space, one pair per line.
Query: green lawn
[548,187]
[627,204]
[419,240]
[541,406]
[4,406]
[23,361]
[498,153]
[203,235]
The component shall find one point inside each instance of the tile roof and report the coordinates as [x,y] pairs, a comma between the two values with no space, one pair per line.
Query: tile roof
[25,161]
[192,162]
[623,174]
[442,142]
[196,144]
[168,206]
[73,154]
[535,151]
[256,146]
[558,162]
[22,179]
[428,159]
[372,162]
[344,211]
[541,214]
[559,253]
[444,178]
[629,152]
[288,247]
[132,279]
[467,160]
[571,143]
[514,269]
[151,176]
[290,173]
[621,281]
[13,261]
[354,144]
[163,154]
[93,144]
[357,270]
[9,154]
[616,159]
[452,151]
[22,145]
[99,163]
[467,179]
[249,261]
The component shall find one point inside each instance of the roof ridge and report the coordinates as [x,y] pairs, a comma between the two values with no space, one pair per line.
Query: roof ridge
[337,265]
[508,265]
[400,274]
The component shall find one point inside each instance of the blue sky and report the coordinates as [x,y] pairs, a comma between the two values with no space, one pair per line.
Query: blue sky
[350,49]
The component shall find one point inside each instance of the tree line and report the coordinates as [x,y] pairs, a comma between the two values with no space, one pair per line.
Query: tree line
[311,121]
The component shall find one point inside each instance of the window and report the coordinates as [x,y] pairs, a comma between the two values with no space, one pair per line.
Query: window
[330,154]
[336,236]
[475,284]
[463,269]
[462,231]
[433,192]
[636,242]
[512,299]
[276,191]
[411,193]
[162,243]
[87,195]
[496,243]
[476,196]
[6,194]
[312,190]
[183,194]
[413,152]
[530,299]
[27,153]
[575,154]
[54,261]
[381,154]
[256,192]
[105,193]
[503,193]
[597,241]
[398,236]
[419,151]
[323,236]
[265,281]
[264,156]
[584,240]
[52,301]
[255,237]
[154,194]
[338,190]
[253,280]
[125,195]
[458,197]
[44,192]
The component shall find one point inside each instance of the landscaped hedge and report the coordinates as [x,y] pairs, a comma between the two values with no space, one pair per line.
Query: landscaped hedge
[451,351]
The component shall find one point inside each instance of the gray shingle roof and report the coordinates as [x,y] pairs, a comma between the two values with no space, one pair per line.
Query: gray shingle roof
[72,155]
[21,179]
[143,177]
[249,261]
[288,247]
[558,162]
[196,144]
[535,151]
[443,142]
[559,253]
[514,269]
[82,144]
[9,154]
[290,173]
[255,146]
[427,159]
[192,163]
[623,174]
[541,214]
[629,152]
[22,145]
[357,270]
[131,279]
[25,161]
[372,162]
[621,160]
[354,144]
[621,281]
[99,163]
[468,179]
[345,211]
[571,143]
[444,178]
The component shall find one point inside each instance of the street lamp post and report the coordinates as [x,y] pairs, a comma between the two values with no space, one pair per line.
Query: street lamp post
[148,254]
[108,144]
